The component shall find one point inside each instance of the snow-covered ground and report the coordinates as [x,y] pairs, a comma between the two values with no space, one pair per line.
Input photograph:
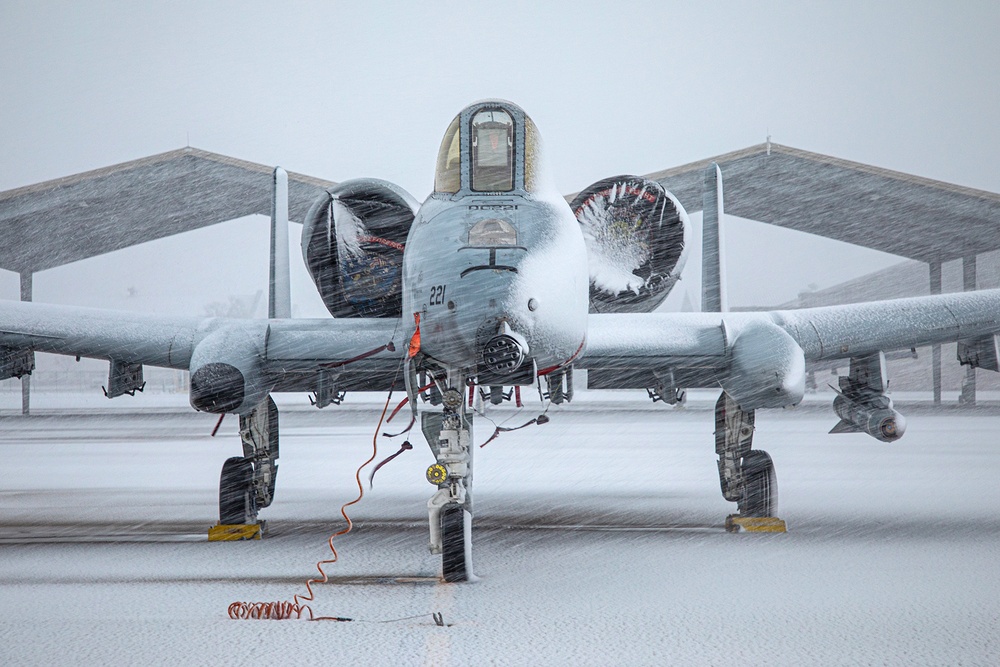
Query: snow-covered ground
[599,541]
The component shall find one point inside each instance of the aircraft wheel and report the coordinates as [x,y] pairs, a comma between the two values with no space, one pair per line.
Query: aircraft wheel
[456,538]
[236,495]
[760,484]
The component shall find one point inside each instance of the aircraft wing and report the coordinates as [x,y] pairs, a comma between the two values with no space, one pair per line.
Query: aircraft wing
[713,349]
[102,334]
[290,352]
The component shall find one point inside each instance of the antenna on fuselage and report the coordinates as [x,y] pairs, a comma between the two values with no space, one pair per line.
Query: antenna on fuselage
[279,297]
[713,275]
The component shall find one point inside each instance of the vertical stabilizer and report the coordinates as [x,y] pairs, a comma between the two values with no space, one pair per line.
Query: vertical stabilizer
[713,275]
[279,302]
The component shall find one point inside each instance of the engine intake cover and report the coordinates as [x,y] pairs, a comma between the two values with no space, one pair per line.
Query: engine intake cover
[635,231]
[353,241]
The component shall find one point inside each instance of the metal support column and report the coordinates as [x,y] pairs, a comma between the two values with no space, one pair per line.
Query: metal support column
[968,395]
[935,272]
[26,380]
[713,270]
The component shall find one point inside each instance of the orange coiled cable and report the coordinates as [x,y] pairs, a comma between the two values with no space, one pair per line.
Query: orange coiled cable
[295,609]
[266,610]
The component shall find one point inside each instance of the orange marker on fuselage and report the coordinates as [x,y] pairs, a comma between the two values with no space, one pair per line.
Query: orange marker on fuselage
[415,338]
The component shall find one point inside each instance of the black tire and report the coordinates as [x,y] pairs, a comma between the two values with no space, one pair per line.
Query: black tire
[236,496]
[456,564]
[760,490]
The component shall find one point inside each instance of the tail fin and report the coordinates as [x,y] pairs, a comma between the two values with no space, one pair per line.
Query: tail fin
[279,303]
[713,274]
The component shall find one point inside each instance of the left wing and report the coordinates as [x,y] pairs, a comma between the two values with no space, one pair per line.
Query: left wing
[759,358]
[140,338]
[270,355]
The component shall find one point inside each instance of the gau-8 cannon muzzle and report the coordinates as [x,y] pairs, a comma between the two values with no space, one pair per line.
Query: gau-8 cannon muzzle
[505,353]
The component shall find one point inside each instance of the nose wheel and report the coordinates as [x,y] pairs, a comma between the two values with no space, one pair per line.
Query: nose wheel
[456,542]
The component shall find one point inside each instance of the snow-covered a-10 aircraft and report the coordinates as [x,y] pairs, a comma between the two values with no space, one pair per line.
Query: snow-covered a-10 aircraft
[494,282]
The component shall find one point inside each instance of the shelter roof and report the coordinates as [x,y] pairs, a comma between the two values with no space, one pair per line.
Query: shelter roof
[67,219]
[64,220]
[891,211]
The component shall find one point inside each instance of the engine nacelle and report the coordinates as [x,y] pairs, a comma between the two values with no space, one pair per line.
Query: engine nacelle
[352,242]
[872,414]
[767,368]
[226,370]
[635,233]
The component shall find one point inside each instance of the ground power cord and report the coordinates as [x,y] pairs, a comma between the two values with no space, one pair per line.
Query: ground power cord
[297,608]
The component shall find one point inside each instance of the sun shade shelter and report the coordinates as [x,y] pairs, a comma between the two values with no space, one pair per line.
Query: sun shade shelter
[72,218]
[901,214]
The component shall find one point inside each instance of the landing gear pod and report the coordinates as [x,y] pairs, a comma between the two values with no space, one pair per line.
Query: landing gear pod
[635,231]
[226,370]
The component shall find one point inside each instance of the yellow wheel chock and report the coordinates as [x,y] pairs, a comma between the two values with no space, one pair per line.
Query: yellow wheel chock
[234,532]
[754,524]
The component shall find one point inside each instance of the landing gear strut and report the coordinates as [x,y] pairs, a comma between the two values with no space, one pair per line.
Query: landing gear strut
[247,483]
[746,475]
[449,435]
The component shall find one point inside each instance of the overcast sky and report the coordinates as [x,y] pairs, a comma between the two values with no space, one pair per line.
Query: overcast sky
[341,90]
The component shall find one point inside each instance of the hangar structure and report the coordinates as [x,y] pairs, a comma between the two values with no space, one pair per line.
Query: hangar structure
[61,221]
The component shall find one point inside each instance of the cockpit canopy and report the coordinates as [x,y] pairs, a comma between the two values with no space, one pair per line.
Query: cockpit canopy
[489,147]
[492,151]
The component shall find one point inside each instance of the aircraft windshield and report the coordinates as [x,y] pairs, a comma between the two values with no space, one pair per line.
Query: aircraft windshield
[492,151]
[448,177]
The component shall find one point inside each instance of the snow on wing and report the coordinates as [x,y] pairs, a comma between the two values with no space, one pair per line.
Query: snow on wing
[170,341]
[662,341]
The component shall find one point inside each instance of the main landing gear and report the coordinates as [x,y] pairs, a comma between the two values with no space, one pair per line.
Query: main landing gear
[449,434]
[247,482]
[746,475]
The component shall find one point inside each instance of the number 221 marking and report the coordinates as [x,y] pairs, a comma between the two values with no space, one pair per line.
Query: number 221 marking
[437,295]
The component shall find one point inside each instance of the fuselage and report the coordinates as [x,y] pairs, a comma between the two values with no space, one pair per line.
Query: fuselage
[479,263]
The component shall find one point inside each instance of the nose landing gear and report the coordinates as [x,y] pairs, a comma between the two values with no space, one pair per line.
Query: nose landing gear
[449,435]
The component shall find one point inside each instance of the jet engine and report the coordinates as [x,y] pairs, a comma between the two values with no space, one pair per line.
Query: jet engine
[635,234]
[226,372]
[352,242]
